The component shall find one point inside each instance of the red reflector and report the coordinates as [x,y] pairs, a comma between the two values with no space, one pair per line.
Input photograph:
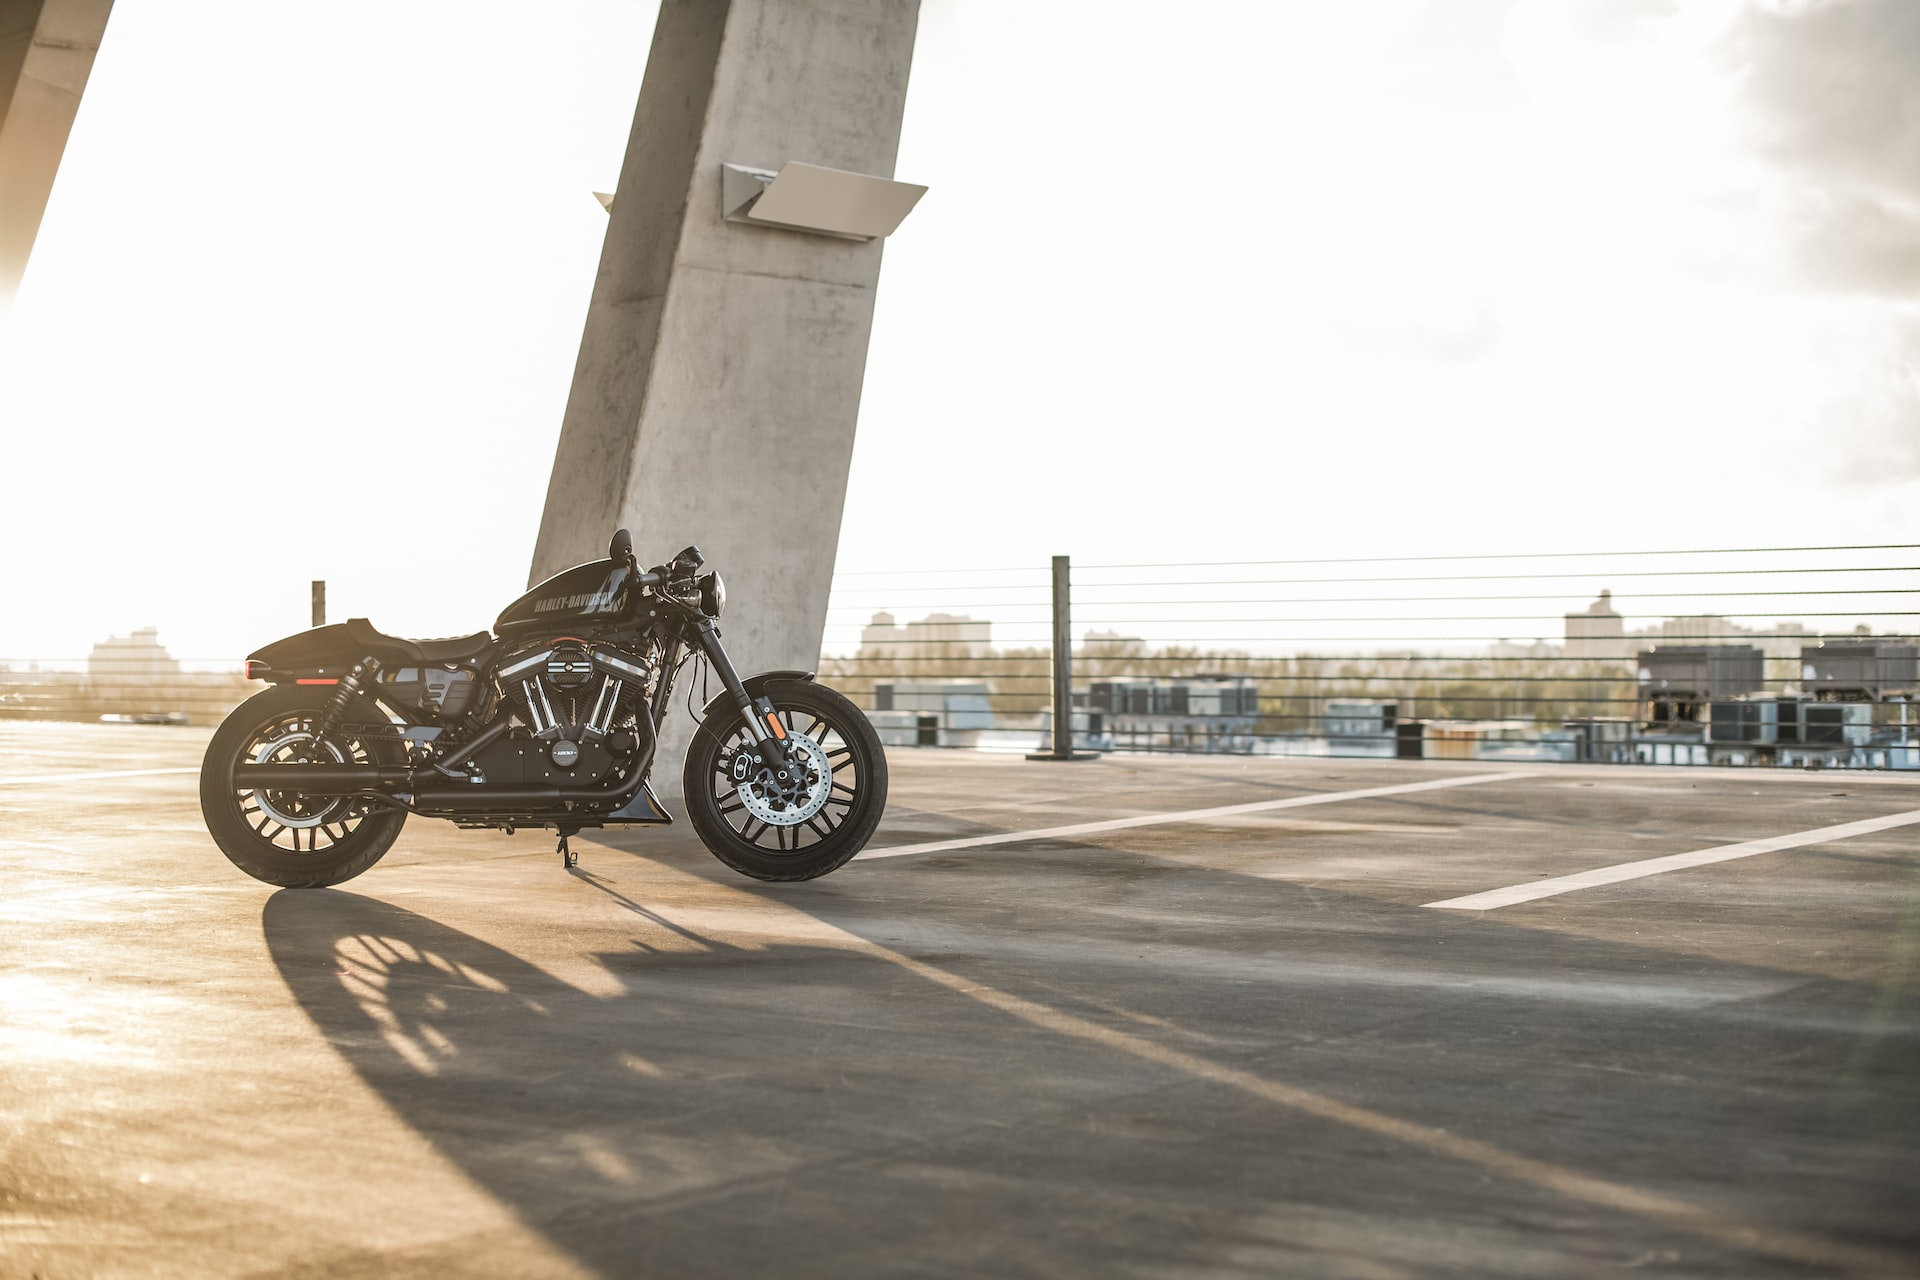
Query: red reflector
[333,681]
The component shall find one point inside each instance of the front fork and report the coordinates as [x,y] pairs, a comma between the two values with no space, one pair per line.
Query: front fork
[769,735]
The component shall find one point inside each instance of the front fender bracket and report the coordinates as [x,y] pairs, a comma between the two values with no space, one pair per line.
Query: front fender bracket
[755,686]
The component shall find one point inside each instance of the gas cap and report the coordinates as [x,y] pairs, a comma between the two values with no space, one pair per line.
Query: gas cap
[565,754]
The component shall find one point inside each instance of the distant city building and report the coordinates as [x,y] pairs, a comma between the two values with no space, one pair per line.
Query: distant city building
[137,659]
[1110,638]
[1537,650]
[1783,640]
[938,635]
[1598,633]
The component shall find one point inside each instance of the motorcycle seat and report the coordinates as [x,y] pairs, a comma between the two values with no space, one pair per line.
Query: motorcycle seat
[424,652]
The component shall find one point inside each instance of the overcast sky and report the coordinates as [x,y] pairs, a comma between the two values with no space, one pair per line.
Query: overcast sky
[1200,282]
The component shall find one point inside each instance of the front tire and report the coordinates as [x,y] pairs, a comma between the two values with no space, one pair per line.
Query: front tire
[284,838]
[807,825]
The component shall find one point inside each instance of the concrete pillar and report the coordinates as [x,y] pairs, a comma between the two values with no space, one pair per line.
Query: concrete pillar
[719,375]
[46,55]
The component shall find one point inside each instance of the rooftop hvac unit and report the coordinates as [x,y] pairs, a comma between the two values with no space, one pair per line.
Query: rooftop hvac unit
[1700,672]
[1865,670]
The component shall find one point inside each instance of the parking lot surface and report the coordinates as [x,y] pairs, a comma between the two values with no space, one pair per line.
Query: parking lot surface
[1138,1016]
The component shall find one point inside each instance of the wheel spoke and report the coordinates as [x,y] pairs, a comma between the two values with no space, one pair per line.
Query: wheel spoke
[822,832]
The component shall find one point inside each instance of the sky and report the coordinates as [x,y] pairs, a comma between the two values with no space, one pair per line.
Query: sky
[1204,282]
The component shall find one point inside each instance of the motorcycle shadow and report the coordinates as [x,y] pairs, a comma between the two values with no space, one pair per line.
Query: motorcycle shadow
[598,1119]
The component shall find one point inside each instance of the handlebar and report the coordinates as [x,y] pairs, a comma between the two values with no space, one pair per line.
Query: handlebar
[680,569]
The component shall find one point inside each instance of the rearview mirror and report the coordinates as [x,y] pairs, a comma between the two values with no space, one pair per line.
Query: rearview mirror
[621,547]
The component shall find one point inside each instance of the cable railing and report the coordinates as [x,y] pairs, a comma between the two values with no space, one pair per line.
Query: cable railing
[1751,656]
[158,691]
[1768,655]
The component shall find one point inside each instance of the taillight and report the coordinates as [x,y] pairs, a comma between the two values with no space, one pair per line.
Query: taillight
[256,670]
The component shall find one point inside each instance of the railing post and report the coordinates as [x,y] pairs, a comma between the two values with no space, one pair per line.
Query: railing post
[1062,668]
[1062,658]
[319,602]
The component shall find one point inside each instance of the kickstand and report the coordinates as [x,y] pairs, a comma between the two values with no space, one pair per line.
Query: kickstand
[568,858]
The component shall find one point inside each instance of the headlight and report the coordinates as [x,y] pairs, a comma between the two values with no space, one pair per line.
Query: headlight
[713,595]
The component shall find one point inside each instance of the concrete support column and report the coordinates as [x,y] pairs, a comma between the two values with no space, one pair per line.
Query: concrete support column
[46,55]
[719,376]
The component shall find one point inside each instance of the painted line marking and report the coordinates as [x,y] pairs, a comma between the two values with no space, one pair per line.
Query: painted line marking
[1185,815]
[1507,897]
[88,777]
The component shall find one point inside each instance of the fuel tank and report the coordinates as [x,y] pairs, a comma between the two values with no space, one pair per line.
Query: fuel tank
[600,591]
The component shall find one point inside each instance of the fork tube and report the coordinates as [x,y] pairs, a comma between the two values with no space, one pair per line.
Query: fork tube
[723,666]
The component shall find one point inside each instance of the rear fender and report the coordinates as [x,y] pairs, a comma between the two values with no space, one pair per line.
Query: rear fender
[324,653]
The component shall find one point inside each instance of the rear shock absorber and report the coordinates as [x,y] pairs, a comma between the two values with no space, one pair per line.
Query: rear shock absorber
[342,694]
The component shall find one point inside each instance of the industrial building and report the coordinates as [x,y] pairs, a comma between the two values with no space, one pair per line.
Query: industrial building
[1182,713]
[949,713]
[1362,727]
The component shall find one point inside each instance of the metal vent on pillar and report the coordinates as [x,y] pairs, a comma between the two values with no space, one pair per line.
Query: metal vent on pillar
[809,197]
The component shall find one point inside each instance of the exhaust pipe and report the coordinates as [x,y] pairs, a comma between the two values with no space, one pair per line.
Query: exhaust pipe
[319,779]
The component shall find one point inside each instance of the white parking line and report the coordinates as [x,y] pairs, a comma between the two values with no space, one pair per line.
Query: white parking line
[1494,898]
[31,779]
[1184,815]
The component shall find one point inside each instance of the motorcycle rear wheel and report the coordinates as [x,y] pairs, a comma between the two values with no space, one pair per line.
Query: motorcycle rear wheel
[284,838]
[810,829]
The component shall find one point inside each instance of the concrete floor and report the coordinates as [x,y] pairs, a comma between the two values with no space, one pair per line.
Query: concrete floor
[1235,1047]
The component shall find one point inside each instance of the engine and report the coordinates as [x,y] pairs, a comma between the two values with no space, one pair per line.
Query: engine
[570,690]
[579,713]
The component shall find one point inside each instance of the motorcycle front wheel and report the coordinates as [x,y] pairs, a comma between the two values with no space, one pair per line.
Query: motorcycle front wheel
[792,824]
[285,838]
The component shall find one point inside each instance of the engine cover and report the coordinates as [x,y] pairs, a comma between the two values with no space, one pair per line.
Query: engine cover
[571,690]
[530,762]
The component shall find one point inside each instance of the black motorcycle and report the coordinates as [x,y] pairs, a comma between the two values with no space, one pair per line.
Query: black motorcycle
[549,720]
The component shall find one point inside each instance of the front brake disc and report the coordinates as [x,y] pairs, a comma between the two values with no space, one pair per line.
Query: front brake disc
[789,801]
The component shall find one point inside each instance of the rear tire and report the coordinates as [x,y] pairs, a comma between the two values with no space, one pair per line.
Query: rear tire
[813,824]
[284,838]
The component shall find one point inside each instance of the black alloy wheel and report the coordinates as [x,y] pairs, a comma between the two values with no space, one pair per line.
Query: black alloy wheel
[800,822]
[283,837]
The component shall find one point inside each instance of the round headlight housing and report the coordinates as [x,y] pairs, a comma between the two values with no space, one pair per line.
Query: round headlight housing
[713,595]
